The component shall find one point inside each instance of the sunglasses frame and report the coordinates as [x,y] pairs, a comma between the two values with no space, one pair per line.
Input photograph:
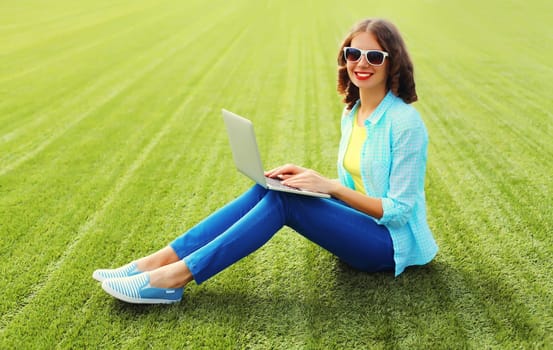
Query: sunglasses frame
[364,53]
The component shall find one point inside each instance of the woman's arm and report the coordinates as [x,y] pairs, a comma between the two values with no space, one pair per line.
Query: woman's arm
[308,179]
[357,200]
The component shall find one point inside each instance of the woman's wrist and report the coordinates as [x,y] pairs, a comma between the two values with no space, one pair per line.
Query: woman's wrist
[335,187]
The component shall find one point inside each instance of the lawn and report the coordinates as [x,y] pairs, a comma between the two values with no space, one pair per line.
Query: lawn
[111,144]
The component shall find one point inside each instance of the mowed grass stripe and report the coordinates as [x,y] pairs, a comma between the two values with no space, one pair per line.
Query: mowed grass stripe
[199,68]
[112,84]
[114,92]
[60,59]
[523,117]
[77,31]
[484,160]
[470,311]
[496,226]
[70,72]
[72,42]
[28,23]
[501,231]
[124,249]
[196,122]
[500,149]
[493,240]
[129,243]
[502,236]
[483,283]
[102,109]
[481,233]
[61,237]
[113,194]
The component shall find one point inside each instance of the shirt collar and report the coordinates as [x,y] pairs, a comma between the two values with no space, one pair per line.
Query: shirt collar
[382,107]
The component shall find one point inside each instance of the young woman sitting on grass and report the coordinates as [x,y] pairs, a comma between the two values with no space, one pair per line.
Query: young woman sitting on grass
[376,218]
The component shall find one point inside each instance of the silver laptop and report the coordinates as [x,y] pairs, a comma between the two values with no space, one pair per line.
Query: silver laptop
[246,155]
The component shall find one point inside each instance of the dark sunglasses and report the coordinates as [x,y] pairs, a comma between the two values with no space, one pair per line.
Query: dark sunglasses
[374,57]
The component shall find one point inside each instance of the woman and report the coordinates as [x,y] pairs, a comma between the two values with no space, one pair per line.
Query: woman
[376,218]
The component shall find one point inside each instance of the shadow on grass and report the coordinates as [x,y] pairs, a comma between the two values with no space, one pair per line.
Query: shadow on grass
[347,308]
[436,306]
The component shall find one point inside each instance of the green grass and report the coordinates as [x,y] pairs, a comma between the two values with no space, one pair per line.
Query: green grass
[111,144]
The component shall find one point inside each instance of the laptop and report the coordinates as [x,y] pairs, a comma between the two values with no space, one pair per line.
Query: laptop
[246,155]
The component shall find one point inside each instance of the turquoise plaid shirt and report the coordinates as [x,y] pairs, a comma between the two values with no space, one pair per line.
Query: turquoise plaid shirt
[393,166]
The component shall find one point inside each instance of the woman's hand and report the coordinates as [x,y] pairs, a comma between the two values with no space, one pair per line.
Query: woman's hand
[284,171]
[306,179]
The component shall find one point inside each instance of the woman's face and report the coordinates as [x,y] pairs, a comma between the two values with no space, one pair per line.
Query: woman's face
[364,75]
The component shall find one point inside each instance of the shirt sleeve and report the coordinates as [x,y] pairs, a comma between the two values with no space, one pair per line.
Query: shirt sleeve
[408,167]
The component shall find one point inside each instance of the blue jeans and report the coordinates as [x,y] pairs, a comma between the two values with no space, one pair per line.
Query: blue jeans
[248,222]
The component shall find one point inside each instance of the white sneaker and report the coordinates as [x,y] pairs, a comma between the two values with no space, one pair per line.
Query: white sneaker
[137,290]
[124,271]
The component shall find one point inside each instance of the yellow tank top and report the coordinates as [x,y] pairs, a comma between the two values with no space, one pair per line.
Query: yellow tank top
[352,158]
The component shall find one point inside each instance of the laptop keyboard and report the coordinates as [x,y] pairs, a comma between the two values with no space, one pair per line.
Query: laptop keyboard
[278,184]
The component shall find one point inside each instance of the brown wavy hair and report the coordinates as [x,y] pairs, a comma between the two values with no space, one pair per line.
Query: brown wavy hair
[401,79]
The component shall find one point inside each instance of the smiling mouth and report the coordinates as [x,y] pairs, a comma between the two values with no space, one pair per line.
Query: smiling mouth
[363,75]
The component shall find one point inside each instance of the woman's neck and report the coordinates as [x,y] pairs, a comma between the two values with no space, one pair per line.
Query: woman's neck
[370,99]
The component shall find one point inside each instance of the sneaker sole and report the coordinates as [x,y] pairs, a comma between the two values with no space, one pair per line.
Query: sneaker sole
[127,299]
